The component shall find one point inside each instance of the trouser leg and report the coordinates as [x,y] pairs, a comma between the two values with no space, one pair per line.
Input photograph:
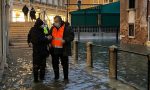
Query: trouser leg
[42,68]
[65,64]
[55,64]
[35,69]
[35,72]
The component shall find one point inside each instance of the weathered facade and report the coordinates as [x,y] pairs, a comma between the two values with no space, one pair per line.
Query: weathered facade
[134,22]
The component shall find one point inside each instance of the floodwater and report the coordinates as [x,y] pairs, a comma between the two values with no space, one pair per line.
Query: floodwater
[131,68]
[18,76]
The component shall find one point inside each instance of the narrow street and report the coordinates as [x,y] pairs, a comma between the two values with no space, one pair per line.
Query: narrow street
[19,76]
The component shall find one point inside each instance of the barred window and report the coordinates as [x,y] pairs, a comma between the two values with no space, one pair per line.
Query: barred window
[131,30]
[131,4]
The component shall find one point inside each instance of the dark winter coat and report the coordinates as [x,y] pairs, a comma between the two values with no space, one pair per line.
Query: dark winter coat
[68,37]
[40,43]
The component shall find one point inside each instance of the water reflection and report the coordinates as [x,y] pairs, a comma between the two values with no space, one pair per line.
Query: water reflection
[131,68]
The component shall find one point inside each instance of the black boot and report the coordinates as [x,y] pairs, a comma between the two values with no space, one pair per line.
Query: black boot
[56,75]
[42,74]
[35,73]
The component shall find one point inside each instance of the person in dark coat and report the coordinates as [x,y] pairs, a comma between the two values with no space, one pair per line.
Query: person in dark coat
[63,52]
[39,42]
[32,14]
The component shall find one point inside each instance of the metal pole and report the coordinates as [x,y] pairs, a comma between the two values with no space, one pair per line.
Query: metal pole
[67,10]
[79,33]
[116,51]
[7,27]
[148,83]
[117,34]
[1,31]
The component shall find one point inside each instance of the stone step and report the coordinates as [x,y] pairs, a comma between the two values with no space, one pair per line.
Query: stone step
[18,39]
[21,24]
[19,44]
[18,35]
[19,31]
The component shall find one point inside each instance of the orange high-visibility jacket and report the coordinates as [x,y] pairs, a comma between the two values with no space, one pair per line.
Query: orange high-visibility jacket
[57,34]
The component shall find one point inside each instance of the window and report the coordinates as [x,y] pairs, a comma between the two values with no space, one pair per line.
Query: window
[110,1]
[17,16]
[56,2]
[131,30]
[53,2]
[43,1]
[63,2]
[21,0]
[131,4]
[50,1]
[105,1]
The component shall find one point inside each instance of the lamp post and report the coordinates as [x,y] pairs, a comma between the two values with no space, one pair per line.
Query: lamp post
[67,10]
[79,7]
[79,4]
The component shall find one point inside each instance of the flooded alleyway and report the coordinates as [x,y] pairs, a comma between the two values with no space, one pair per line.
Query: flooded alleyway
[18,76]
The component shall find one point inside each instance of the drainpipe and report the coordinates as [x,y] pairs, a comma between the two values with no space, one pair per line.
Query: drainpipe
[147,9]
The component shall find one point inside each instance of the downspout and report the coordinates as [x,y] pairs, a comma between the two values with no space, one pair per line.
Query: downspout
[147,9]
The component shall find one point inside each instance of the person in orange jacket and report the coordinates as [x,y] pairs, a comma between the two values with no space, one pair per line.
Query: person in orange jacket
[62,36]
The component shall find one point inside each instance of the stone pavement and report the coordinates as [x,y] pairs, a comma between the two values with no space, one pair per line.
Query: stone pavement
[18,76]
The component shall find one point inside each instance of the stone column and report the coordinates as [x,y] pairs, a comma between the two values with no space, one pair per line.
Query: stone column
[113,62]
[75,52]
[3,36]
[89,62]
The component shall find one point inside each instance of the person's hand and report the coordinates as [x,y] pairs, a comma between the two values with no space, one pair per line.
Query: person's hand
[63,41]
[50,45]
[30,44]
[49,37]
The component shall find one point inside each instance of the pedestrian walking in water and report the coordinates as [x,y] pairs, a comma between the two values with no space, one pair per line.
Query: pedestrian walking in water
[39,42]
[60,49]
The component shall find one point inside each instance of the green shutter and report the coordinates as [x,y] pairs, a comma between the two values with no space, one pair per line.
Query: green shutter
[110,20]
[92,19]
[77,19]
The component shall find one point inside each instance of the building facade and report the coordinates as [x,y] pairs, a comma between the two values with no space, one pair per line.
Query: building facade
[134,22]
[74,7]
[47,9]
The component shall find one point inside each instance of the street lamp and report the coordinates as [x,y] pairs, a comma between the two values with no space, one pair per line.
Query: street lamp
[79,4]
[79,7]
[67,10]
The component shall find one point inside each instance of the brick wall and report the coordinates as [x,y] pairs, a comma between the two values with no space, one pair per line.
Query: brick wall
[141,31]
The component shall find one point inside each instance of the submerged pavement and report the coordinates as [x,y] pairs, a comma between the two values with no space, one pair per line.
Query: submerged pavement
[18,76]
